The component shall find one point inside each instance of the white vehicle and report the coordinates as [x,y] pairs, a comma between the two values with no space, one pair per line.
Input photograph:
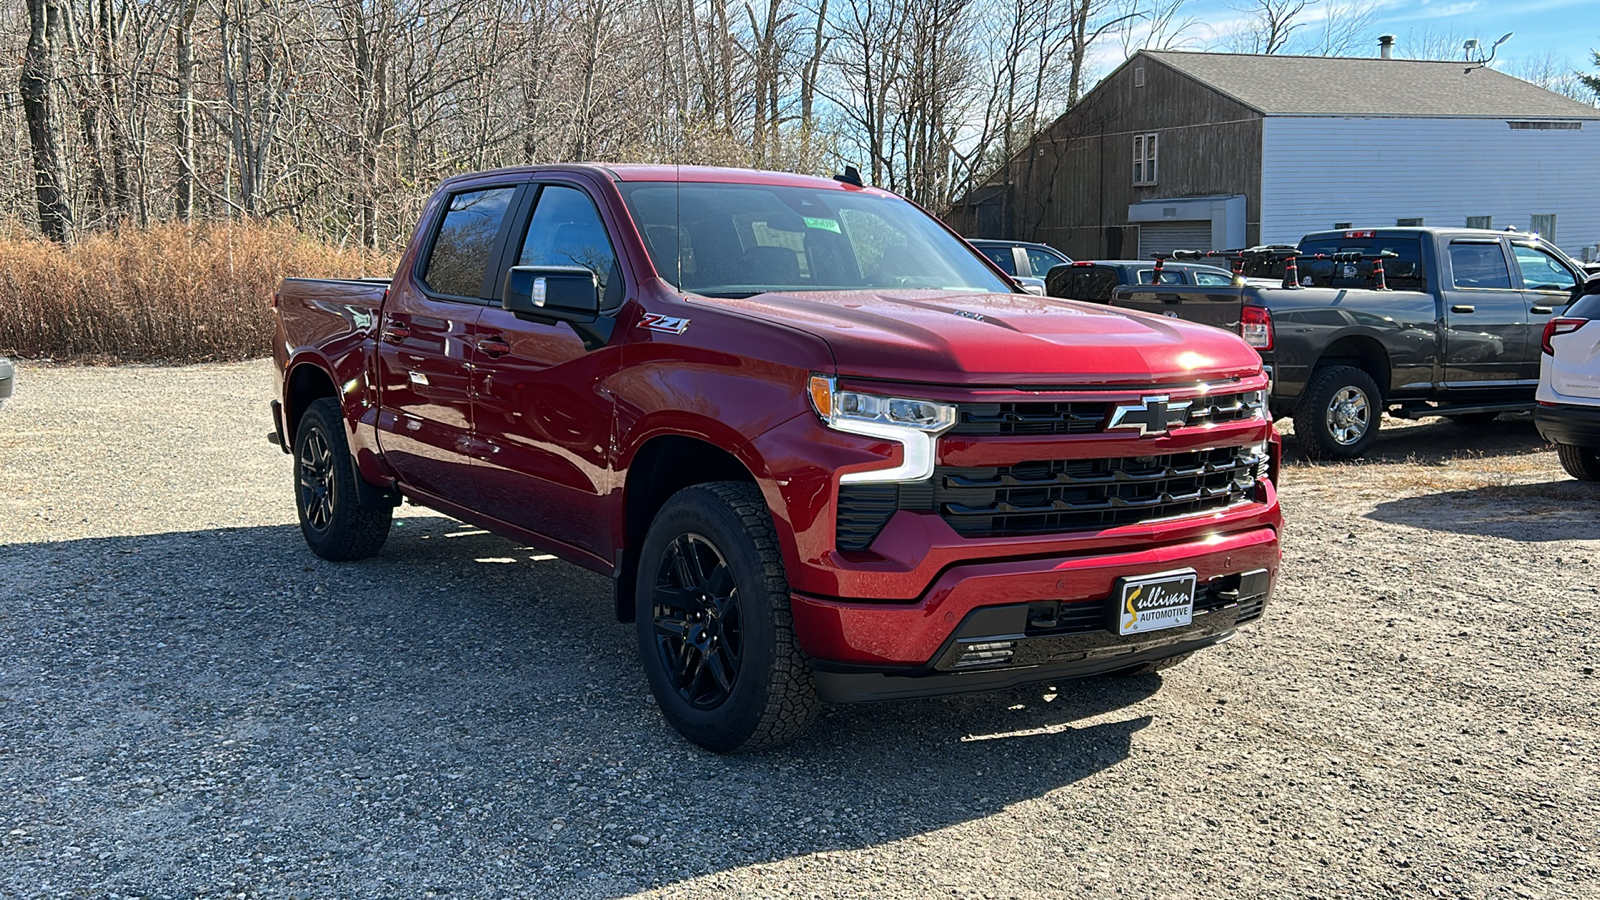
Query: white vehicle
[1568,413]
[8,377]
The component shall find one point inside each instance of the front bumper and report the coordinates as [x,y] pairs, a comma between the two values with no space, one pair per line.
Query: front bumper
[1054,613]
[1576,426]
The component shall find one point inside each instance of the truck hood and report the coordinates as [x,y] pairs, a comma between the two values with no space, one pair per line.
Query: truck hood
[941,337]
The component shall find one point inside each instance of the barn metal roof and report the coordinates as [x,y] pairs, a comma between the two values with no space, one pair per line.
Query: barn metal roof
[1342,86]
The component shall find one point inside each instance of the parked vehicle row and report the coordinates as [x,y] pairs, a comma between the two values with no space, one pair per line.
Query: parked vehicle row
[1454,331]
[825,450]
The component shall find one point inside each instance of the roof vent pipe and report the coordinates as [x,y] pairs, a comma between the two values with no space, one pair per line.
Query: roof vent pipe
[1386,46]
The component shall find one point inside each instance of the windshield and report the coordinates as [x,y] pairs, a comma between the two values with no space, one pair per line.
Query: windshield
[734,240]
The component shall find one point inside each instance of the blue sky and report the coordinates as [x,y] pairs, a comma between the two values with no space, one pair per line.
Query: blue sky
[1557,29]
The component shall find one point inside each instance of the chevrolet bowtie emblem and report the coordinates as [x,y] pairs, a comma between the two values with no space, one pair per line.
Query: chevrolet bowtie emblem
[1152,415]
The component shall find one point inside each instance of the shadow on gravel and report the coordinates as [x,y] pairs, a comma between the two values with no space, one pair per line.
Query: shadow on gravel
[194,712]
[1436,441]
[1547,511]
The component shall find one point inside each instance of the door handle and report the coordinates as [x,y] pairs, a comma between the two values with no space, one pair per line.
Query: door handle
[1463,308]
[395,332]
[494,346]
[1542,310]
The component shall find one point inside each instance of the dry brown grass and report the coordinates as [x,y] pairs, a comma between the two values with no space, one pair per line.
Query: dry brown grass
[171,293]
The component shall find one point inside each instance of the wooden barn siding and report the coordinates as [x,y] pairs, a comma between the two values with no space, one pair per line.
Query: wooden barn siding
[1077,178]
[1371,171]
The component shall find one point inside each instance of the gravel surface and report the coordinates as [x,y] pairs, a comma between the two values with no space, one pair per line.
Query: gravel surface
[192,705]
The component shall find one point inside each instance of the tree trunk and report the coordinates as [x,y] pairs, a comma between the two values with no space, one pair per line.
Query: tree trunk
[184,193]
[41,73]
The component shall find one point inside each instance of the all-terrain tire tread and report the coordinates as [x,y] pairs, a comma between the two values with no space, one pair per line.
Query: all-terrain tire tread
[1308,413]
[791,687]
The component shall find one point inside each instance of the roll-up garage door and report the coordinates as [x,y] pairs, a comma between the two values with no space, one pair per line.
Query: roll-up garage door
[1165,237]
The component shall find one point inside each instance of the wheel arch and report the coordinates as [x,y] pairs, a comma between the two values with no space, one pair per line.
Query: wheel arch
[308,381]
[660,467]
[1359,351]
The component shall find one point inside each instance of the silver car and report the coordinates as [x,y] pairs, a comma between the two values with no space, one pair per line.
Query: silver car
[8,378]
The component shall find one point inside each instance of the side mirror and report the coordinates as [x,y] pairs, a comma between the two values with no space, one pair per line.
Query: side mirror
[1592,286]
[555,293]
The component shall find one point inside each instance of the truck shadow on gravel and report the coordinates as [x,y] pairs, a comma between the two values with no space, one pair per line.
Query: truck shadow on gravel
[219,709]
[1545,511]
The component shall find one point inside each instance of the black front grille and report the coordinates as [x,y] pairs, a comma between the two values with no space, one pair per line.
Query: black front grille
[1031,418]
[1057,496]
[1087,417]
[1084,494]
[863,511]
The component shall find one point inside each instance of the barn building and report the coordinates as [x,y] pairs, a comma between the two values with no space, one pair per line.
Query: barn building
[1179,150]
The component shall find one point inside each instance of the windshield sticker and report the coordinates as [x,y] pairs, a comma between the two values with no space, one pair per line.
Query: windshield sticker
[824,224]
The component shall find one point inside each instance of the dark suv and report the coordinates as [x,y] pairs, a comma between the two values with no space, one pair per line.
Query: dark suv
[1020,258]
[1095,280]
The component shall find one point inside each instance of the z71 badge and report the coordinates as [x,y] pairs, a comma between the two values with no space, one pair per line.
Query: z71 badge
[664,324]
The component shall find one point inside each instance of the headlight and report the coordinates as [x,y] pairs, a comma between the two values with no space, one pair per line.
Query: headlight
[914,424]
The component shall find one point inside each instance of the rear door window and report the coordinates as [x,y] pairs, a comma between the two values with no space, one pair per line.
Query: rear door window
[1479,265]
[1168,276]
[1541,271]
[1212,279]
[468,231]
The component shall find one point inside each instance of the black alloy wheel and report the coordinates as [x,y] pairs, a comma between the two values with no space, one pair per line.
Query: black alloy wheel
[698,629]
[316,481]
[334,523]
[714,625]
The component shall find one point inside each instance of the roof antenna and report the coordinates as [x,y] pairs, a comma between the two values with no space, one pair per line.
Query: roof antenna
[851,175]
[1472,45]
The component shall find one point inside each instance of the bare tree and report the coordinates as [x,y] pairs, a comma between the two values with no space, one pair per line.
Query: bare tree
[41,73]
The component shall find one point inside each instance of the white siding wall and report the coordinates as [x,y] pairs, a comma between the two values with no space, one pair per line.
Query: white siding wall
[1370,171]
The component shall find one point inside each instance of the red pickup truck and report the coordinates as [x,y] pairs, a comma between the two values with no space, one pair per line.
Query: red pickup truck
[826,451]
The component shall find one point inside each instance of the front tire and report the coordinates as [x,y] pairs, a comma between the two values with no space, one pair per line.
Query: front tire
[335,524]
[1582,463]
[1339,414]
[715,631]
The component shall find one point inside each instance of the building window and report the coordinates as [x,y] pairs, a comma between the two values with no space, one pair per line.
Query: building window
[1138,76]
[1408,223]
[1480,221]
[1545,227]
[1144,159]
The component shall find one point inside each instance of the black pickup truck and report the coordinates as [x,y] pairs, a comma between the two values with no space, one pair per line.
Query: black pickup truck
[1450,328]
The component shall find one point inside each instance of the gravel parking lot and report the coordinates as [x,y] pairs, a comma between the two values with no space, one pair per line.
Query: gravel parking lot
[191,704]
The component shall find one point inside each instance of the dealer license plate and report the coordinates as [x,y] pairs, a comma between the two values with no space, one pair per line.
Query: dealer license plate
[1154,602]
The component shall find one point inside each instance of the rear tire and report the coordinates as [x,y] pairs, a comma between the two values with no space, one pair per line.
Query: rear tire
[1582,463]
[335,524]
[1339,414]
[715,631]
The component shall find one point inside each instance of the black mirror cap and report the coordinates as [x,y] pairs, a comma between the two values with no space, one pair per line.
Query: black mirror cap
[561,293]
[1592,286]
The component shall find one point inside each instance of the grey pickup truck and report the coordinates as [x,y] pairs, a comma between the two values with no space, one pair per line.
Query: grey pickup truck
[1410,321]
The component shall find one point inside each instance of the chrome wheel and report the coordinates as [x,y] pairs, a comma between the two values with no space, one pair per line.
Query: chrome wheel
[1348,416]
[316,480]
[698,632]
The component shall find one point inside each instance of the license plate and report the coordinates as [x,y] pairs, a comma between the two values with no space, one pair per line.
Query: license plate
[1154,602]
